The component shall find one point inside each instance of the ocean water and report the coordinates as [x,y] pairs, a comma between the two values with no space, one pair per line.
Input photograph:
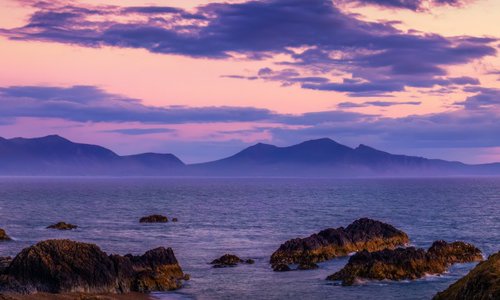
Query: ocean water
[251,218]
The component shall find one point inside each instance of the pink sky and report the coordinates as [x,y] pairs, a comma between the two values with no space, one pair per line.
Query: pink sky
[176,79]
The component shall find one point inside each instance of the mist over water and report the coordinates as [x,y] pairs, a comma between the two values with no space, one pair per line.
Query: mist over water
[251,218]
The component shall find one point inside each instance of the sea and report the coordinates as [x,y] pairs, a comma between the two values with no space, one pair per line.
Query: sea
[251,217]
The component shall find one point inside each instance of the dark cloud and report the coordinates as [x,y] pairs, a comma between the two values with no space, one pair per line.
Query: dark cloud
[415,5]
[484,98]
[141,131]
[379,55]
[87,103]
[376,103]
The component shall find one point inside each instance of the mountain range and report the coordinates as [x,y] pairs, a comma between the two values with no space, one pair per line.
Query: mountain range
[56,156]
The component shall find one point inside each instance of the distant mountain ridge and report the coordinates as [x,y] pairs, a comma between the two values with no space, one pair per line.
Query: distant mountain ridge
[56,156]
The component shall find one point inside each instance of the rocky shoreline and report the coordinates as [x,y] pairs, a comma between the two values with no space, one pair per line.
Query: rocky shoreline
[65,266]
[66,269]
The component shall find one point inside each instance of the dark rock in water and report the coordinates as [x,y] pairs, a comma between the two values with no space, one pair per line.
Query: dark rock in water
[281,268]
[482,282]
[64,266]
[229,260]
[62,226]
[307,265]
[174,220]
[4,263]
[455,252]
[405,263]
[362,234]
[4,236]
[154,219]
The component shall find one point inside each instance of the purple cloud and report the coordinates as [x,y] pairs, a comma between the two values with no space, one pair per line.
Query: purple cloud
[379,55]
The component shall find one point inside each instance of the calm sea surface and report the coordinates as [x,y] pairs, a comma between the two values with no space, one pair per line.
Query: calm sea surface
[251,218]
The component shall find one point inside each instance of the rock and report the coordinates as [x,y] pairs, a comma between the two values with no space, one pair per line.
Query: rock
[482,282]
[405,263]
[4,236]
[229,260]
[154,219]
[456,252]
[64,266]
[174,220]
[281,268]
[307,265]
[250,261]
[362,234]
[4,263]
[62,226]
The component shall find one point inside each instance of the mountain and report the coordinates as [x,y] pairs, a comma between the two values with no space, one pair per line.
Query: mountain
[53,155]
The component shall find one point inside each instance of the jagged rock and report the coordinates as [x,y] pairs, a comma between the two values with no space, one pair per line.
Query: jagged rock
[154,219]
[281,268]
[482,282]
[405,263]
[455,252]
[4,236]
[362,234]
[62,226]
[229,260]
[64,266]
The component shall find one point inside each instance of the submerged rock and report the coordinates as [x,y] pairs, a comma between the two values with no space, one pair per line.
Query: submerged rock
[175,220]
[62,226]
[229,260]
[4,236]
[405,263]
[64,266]
[482,282]
[154,219]
[281,268]
[362,234]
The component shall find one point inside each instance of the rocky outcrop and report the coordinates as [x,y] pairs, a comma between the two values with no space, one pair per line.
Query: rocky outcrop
[405,263]
[4,236]
[154,219]
[482,282]
[362,234]
[64,266]
[62,226]
[229,260]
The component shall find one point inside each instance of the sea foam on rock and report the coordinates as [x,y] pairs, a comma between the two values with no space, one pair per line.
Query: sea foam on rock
[362,234]
[405,263]
[65,266]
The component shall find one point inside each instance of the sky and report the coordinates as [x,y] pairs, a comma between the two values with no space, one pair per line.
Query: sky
[204,79]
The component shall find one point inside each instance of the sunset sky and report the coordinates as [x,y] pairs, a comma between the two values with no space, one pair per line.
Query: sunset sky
[204,79]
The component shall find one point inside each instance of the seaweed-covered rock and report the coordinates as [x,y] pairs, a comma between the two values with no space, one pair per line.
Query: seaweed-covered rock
[4,236]
[62,226]
[405,263]
[64,266]
[482,282]
[229,260]
[154,219]
[362,234]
